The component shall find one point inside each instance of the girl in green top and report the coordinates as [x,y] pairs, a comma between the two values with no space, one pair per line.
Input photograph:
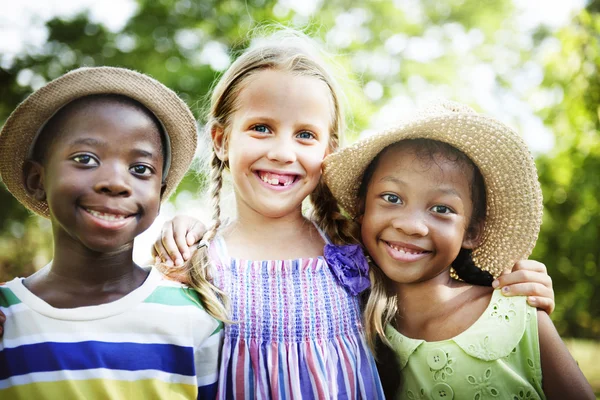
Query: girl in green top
[446,202]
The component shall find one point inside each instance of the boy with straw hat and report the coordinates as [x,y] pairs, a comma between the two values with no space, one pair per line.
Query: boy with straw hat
[96,151]
[453,192]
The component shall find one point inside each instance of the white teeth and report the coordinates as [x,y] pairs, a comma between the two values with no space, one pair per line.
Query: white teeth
[106,217]
[405,250]
[274,181]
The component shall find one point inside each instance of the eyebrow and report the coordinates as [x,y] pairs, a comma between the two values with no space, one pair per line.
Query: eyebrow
[89,141]
[101,143]
[142,153]
[448,190]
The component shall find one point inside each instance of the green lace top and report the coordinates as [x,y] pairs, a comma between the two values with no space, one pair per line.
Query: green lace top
[498,357]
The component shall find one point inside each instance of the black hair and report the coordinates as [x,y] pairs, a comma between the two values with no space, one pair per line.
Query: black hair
[426,149]
[51,130]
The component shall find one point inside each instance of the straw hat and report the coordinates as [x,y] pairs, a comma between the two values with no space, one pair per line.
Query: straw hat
[513,193]
[24,124]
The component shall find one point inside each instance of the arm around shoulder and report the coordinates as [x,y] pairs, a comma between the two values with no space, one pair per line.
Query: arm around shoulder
[561,376]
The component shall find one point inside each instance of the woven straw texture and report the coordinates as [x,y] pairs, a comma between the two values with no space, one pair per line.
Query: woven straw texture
[514,196]
[23,124]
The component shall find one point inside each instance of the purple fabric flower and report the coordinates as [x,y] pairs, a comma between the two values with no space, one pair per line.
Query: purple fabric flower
[349,265]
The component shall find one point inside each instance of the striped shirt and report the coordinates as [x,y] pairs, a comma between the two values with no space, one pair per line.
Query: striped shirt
[157,342]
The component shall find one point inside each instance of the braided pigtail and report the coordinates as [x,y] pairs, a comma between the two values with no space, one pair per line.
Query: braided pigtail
[214,300]
[465,268]
[328,216]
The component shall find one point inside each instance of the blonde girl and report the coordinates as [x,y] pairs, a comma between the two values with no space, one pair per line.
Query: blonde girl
[296,328]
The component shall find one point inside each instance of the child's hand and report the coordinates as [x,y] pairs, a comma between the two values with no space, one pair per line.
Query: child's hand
[528,278]
[2,321]
[175,245]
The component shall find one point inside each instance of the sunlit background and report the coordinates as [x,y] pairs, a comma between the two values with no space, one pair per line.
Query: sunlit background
[531,63]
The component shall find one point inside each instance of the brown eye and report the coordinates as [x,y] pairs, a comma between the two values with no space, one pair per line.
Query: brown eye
[85,159]
[143,170]
[391,198]
[442,209]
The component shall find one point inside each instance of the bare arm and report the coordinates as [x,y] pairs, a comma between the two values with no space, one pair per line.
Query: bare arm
[561,376]
[529,278]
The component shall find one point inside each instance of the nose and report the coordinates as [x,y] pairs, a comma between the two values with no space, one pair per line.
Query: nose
[113,181]
[282,150]
[411,223]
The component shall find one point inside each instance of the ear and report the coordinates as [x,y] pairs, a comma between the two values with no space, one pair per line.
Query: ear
[219,140]
[163,187]
[33,178]
[359,218]
[473,236]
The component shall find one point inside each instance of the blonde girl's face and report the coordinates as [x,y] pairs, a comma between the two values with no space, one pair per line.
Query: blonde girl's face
[276,141]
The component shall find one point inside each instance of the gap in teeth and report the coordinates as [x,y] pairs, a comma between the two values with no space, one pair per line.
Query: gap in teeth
[274,181]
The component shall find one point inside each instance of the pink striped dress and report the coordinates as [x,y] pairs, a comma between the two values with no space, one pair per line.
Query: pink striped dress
[299,333]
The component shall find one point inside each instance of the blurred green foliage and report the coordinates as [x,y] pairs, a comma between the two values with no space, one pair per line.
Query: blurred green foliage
[186,45]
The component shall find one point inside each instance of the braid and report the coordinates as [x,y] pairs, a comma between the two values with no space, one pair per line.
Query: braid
[214,300]
[469,272]
[330,219]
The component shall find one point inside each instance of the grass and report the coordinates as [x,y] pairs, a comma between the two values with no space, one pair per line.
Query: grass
[587,354]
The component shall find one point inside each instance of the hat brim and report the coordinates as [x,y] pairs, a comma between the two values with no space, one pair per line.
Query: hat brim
[23,125]
[513,193]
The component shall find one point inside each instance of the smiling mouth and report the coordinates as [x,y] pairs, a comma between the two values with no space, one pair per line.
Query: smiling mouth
[406,250]
[273,179]
[107,216]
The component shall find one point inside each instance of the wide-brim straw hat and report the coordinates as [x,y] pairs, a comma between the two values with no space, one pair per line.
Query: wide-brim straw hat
[513,193]
[24,124]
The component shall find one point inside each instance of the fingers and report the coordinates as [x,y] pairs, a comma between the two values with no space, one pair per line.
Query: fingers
[195,232]
[542,303]
[530,265]
[538,295]
[524,276]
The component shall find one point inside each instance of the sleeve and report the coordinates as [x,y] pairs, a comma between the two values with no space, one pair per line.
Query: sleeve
[206,358]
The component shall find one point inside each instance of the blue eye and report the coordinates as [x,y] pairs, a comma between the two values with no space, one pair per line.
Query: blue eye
[261,128]
[141,170]
[85,159]
[442,209]
[391,198]
[305,135]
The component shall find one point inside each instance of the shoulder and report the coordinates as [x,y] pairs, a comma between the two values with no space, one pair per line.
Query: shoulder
[499,329]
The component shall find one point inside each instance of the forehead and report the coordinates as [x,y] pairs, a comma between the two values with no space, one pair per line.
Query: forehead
[103,117]
[432,165]
[287,93]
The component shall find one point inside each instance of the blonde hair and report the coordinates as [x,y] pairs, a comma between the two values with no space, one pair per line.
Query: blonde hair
[287,51]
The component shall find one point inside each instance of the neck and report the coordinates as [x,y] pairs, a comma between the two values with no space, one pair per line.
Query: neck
[427,299]
[76,263]
[258,237]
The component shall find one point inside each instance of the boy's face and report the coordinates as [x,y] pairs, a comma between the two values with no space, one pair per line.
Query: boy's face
[417,211]
[102,174]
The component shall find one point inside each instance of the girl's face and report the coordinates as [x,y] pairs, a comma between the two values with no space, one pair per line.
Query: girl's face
[276,141]
[417,211]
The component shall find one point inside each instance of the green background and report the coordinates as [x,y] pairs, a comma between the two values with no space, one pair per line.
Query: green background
[168,40]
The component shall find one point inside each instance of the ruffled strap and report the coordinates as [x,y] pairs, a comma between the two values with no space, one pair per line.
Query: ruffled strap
[403,346]
[498,331]
[217,252]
